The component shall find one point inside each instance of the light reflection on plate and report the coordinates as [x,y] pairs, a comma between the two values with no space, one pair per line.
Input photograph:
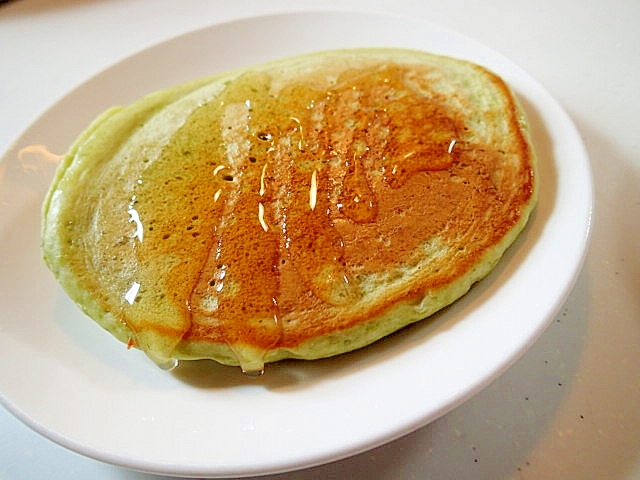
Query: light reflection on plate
[73,383]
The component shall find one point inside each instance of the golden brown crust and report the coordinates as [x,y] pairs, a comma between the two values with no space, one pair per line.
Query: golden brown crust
[434,192]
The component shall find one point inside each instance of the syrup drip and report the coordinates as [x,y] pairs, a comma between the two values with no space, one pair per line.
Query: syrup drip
[357,201]
[240,305]
[282,170]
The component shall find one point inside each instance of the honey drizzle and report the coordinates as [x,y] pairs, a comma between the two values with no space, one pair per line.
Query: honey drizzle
[271,246]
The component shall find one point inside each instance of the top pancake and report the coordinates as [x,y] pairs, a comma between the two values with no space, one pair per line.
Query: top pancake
[301,208]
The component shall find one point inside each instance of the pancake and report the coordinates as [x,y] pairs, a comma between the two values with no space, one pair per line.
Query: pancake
[297,209]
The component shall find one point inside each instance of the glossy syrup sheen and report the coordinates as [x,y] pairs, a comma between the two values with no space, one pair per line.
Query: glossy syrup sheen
[279,203]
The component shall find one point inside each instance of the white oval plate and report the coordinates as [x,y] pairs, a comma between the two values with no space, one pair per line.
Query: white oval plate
[69,380]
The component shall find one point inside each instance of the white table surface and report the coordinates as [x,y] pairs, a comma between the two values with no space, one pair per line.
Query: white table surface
[570,407]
